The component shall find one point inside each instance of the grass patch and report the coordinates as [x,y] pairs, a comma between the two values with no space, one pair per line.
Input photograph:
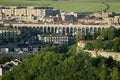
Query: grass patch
[76,6]
[79,7]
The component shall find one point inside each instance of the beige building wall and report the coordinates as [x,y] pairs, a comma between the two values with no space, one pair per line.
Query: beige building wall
[8,11]
[111,20]
[20,12]
[81,45]
[40,12]
[9,33]
[30,12]
[36,12]
[0,14]
[0,71]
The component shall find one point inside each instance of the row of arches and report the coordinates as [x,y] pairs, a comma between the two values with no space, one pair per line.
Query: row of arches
[63,30]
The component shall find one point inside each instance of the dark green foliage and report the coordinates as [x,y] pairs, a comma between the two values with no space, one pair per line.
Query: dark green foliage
[98,44]
[116,44]
[19,38]
[111,41]
[72,50]
[80,36]
[107,45]
[89,46]
[83,36]
[57,48]
[108,33]
[5,59]
[88,36]
[49,65]
[115,75]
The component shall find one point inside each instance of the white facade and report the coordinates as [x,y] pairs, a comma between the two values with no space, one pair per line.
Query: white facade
[56,39]
[0,71]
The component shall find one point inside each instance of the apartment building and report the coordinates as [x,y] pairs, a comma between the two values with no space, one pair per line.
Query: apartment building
[18,12]
[8,66]
[6,33]
[56,39]
[71,16]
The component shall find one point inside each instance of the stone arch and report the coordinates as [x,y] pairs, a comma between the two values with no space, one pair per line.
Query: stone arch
[95,29]
[67,30]
[63,30]
[83,29]
[55,29]
[52,29]
[48,29]
[16,26]
[41,29]
[19,27]
[38,27]
[103,28]
[34,27]
[87,29]
[79,29]
[91,30]
[71,30]
[99,29]
[75,29]
[44,29]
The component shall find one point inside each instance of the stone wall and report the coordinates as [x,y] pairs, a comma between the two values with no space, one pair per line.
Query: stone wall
[114,55]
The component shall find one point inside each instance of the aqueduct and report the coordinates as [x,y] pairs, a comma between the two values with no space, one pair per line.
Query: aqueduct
[65,29]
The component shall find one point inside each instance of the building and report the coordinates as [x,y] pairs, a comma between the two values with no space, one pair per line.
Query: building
[71,16]
[7,33]
[1,71]
[8,66]
[81,44]
[56,39]
[91,21]
[102,14]
[24,13]
[49,19]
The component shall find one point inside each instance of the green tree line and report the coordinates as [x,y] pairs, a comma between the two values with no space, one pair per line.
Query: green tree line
[111,41]
[51,65]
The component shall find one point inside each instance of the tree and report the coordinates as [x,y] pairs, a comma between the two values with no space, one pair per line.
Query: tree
[118,32]
[19,37]
[96,34]
[89,46]
[57,48]
[72,50]
[80,36]
[116,45]
[88,36]
[115,74]
[97,44]
[112,33]
[5,59]
[49,65]
[107,45]
[103,74]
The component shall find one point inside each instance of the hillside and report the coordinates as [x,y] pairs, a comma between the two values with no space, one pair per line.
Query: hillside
[76,6]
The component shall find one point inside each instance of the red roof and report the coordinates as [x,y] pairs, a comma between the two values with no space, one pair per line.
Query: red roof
[100,37]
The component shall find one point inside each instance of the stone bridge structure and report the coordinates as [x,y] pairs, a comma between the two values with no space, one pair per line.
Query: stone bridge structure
[64,29]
